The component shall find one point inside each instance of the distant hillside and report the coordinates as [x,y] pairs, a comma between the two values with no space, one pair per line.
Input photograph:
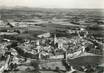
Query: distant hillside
[51,9]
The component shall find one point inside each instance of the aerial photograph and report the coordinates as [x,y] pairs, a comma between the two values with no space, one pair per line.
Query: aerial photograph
[51,36]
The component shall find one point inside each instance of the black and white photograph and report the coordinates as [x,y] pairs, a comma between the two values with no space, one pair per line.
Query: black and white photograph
[51,36]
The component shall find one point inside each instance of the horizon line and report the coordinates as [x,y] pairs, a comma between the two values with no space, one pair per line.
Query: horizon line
[4,7]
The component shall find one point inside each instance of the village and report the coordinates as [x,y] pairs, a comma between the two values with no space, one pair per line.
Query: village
[50,44]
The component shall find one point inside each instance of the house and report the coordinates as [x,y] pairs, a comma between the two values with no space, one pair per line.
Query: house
[44,35]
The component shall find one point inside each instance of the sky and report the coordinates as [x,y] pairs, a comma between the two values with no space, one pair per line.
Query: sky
[54,3]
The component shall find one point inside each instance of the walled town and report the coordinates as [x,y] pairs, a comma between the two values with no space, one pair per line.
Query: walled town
[55,41]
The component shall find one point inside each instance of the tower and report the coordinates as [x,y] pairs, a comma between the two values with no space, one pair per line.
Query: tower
[55,39]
